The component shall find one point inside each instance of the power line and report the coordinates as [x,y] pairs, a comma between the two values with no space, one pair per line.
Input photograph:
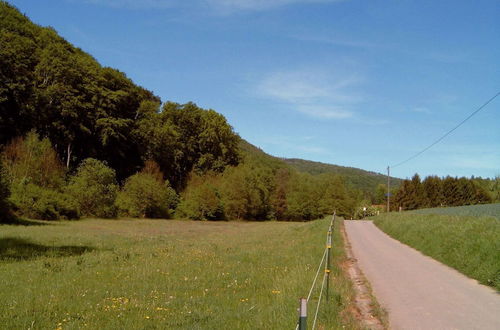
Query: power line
[447,133]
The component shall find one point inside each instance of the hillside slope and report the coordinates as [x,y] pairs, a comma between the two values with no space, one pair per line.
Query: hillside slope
[357,178]
[365,181]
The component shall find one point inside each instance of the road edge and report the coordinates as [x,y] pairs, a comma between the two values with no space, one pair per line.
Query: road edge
[367,309]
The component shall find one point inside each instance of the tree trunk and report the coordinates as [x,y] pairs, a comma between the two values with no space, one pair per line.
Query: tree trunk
[68,155]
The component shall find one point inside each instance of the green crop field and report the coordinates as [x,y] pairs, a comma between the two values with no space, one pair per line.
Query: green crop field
[492,210]
[117,274]
[467,243]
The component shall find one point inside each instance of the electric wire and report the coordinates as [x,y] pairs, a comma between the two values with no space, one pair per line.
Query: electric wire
[316,277]
[447,133]
[319,299]
[317,274]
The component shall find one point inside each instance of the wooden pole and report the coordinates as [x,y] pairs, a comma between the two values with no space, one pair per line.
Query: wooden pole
[388,189]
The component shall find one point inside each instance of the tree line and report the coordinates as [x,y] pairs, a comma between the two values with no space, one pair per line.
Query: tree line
[35,183]
[434,191]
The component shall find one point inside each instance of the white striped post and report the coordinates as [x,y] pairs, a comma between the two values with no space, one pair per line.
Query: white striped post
[303,314]
[328,262]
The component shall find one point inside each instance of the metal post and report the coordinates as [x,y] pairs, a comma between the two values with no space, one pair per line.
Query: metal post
[328,262]
[388,189]
[303,314]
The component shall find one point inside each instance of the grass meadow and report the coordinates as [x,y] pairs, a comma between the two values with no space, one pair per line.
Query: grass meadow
[165,274]
[469,244]
[492,210]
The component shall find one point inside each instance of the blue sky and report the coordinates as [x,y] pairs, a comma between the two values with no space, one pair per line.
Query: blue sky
[356,83]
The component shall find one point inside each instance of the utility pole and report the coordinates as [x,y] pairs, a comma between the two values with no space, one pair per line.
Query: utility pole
[388,189]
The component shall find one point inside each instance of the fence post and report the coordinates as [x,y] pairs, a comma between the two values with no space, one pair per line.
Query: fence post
[329,255]
[303,314]
[328,263]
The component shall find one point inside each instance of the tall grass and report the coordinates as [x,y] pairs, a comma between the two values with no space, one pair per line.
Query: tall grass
[492,210]
[469,244]
[120,274]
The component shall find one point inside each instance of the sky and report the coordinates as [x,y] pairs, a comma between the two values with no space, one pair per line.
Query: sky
[359,83]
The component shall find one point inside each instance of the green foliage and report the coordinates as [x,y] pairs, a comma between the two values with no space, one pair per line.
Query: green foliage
[380,194]
[469,244]
[37,179]
[202,199]
[51,86]
[182,138]
[434,191]
[33,160]
[43,203]
[491,186]
[146,196]
[247,192]
[94,189]
[335,196]
[303,198]
[259,192]
[365,181]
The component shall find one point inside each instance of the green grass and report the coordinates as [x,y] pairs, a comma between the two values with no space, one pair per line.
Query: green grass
[492,210]
[117,274]
[469,244]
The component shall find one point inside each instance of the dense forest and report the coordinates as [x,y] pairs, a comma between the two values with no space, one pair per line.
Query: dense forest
[434,191]
[81,140]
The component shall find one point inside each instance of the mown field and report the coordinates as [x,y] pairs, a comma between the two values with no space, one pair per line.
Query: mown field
[470,244]
[492,210]
[147,274]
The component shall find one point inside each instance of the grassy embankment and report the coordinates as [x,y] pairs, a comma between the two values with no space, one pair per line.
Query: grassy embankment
[470,244]
[117,274]
[492,210]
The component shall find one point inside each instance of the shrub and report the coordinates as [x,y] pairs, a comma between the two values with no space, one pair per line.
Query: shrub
[202,202]
[31,159]
[43,203]
[146,195]
[36,177]
[94,189]
[202,198]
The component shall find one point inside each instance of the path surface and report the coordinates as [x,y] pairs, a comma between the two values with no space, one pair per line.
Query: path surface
[417,291]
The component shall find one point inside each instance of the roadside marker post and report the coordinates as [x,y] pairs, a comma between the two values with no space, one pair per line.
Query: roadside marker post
[303,314]
[328,262]
[329,256]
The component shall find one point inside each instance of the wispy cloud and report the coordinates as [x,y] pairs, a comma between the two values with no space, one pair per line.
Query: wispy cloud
[293,144]
[312,92]
[486,162]
[326,112]
[136,4]
[442,55]
[259,4]
[336,41]
[421,110]
[225,6]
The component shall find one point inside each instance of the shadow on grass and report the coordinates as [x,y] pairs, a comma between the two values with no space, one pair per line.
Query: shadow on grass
[17,249]
[22,222]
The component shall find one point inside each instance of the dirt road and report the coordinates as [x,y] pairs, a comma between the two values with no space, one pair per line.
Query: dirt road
[417,291]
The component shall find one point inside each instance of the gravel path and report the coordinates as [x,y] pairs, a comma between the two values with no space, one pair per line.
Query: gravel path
[417,291]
